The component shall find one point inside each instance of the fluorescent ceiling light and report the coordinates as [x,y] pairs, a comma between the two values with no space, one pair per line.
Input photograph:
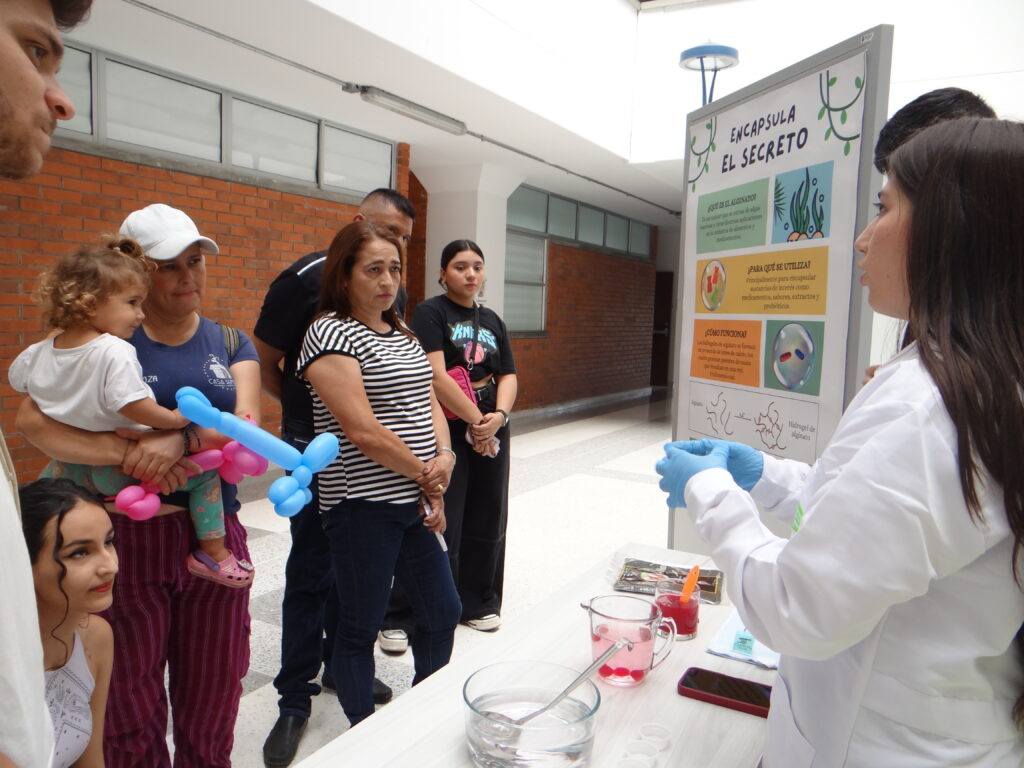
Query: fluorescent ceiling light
[411,109]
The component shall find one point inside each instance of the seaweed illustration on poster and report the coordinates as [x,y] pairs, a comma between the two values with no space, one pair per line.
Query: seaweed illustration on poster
[700,156]
[802,203]
[799,214]
[818,215]
[779,203]
[826,82]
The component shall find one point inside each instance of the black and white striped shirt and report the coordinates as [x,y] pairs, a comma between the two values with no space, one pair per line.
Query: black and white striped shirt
[396,376]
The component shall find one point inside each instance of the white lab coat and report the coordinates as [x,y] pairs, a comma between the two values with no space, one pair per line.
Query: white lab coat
[894,612]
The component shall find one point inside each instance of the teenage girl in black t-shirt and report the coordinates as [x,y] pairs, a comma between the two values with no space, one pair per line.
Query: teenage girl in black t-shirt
[455,330]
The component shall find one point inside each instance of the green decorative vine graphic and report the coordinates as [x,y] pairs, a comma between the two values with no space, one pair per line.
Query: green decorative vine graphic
[825,84]
[701,155]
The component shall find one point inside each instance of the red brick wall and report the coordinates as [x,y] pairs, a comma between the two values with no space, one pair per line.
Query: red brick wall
[416,259]
[78,196]
[600,311]
[600,307]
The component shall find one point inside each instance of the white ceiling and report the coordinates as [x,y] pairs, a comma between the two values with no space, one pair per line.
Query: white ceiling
[590,85]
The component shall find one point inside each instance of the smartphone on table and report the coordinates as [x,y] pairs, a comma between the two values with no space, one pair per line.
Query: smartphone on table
[726,691]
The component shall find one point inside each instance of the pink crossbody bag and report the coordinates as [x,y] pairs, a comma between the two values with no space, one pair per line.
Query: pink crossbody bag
[460,373]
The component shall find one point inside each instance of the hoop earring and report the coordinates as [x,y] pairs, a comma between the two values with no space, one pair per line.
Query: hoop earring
[443,283]
[83,623]
[483,287]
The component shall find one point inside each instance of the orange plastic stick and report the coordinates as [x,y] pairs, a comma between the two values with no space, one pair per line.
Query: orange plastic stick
[689,584]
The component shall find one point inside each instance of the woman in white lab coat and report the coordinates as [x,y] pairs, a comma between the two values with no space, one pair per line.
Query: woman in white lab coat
[896,603]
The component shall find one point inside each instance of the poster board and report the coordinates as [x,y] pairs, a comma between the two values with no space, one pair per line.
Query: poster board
[775,329]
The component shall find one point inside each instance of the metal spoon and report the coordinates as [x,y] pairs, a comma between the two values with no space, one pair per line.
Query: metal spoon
[615,648]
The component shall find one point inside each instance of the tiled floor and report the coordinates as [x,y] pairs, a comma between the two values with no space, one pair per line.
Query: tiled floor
[580,486]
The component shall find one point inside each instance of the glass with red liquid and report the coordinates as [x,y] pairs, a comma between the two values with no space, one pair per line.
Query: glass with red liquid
[633,617]
[668,596]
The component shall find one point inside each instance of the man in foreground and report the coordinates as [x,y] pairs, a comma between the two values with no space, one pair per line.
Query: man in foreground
[31,103]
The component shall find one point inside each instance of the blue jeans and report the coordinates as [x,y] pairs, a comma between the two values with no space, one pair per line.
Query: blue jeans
[309,608]
[370,542]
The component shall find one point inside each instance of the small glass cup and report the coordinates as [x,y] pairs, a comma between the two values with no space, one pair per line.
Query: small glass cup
[644,749]
[656,734]
[667,596]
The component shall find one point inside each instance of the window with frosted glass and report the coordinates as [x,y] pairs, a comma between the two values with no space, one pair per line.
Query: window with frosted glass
[528,208]
[160,112]
[562,218]
[639,238]
[75,77]
[617,234]
[355,162]
[272,142]
[525,282]
[591,226]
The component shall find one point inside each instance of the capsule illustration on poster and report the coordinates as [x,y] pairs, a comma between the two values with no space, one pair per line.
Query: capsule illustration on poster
[712,285]
[793,356]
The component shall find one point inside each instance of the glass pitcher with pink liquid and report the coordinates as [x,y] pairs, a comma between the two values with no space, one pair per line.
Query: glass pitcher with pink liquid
[638,619]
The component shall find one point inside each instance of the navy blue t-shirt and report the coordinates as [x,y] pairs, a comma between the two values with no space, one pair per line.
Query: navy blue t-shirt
[201,362]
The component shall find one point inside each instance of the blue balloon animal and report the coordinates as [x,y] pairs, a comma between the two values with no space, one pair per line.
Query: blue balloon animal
[289,494]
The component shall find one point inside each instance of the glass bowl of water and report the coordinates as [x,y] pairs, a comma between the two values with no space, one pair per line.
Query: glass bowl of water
[562,737]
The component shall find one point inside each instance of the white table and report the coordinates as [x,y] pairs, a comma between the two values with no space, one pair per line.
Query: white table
[425,727]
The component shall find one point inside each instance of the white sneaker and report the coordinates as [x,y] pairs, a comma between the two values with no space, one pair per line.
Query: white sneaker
[488,623]
[394,641]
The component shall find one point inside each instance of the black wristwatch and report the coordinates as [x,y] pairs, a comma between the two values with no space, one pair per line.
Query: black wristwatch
[504,415]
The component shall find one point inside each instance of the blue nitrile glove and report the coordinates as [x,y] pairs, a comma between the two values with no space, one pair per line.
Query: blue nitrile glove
[746,464]
[684,460]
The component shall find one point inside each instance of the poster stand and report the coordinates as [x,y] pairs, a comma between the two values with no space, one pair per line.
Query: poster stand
[775,326]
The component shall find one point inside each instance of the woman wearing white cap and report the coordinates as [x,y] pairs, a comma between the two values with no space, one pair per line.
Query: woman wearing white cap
[162,615]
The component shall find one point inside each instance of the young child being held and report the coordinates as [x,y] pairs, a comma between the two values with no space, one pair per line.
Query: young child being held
[89,377]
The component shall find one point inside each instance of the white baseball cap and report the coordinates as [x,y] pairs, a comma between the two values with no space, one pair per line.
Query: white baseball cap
[164,232]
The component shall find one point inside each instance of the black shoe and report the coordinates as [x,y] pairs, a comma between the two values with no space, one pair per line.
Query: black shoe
[280,747]
[382,694]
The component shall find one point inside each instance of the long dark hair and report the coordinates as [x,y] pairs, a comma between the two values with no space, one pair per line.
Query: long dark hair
[46,499]
[341,258]
[965,274]
[458,246]
[449,252]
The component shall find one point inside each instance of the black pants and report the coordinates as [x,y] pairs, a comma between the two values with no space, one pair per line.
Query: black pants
[309,608]
[476,508]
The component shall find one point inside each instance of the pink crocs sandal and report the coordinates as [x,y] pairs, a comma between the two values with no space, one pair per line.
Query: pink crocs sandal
[231,572]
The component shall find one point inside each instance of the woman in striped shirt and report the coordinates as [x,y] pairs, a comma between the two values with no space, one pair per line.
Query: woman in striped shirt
[382,500]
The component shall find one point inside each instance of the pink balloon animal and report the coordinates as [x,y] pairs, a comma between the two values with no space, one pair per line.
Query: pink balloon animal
[233,461]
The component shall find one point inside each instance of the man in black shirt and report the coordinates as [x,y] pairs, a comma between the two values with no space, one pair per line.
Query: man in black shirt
[309,606]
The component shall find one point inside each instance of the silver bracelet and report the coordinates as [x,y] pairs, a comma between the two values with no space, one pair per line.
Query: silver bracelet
[446,448]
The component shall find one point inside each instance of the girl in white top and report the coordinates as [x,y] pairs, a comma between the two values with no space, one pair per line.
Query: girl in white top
[88,376]
[897,604]
[70,541]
